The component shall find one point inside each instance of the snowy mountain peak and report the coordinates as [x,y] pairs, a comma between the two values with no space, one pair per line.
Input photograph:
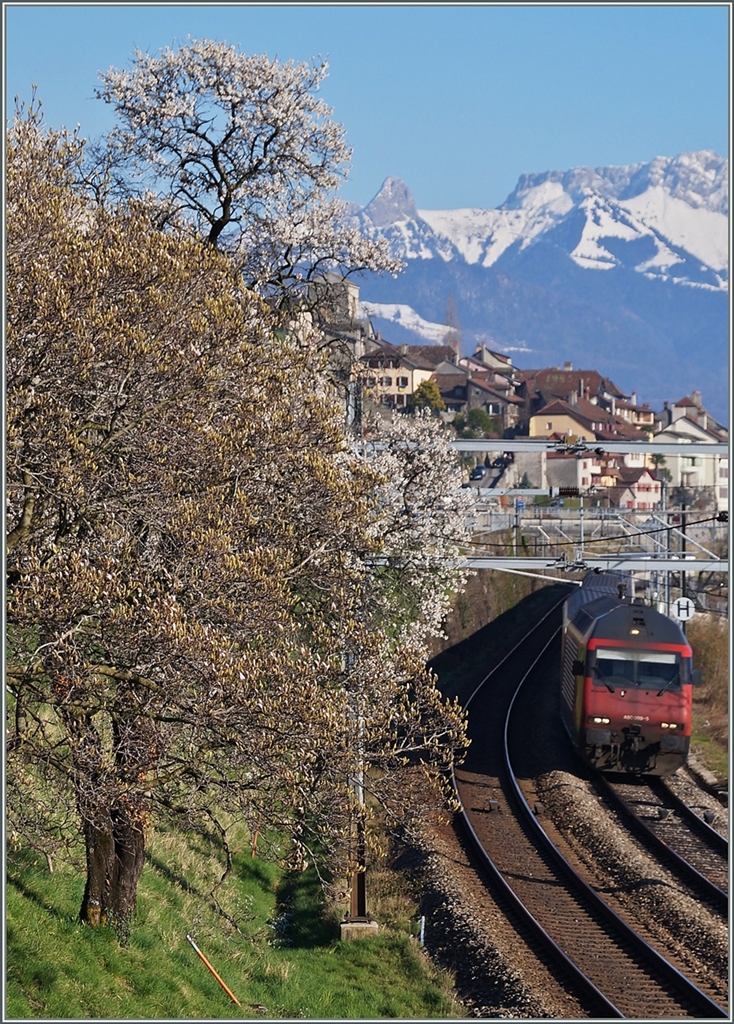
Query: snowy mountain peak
[700,179]
[666,218]
[627,265]
[391,204]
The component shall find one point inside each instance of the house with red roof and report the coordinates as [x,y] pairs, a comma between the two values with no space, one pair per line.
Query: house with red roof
[635,489]
[582,419]
[539,388]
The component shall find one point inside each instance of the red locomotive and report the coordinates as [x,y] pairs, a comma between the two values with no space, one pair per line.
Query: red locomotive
[626,680]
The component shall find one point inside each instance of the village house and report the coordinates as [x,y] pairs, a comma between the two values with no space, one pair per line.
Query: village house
[540,388]
[636,489]
[462,392]
[703,477]
[582,419]
[485,360]
[568,472]
[483,381]
[640,416]
[393,373]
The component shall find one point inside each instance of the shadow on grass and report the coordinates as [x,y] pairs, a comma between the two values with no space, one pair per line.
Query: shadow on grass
[301,921]
[34,897]
[261,871]
[174,877]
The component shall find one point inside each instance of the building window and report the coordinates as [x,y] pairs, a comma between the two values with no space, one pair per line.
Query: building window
[400,399]
[493,409]
[549,426]
[723,492]
[402,382]
[386,382]
[724,472]
[371,381]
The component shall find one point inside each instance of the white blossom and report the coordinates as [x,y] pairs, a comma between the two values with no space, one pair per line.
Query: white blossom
[244,147]
[422,522]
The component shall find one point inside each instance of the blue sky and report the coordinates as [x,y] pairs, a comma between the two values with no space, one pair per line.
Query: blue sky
[457,100]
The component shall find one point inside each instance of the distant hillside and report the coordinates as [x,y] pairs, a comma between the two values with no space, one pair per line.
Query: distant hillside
[622,268]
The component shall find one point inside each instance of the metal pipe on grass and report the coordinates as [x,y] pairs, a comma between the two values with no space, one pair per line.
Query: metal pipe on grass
[229,992]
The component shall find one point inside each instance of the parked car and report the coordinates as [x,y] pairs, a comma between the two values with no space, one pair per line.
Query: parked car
[477,473]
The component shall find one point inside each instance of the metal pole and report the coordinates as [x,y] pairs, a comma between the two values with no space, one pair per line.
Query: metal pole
[581,527]
[683,581]
[666,516]
[206,963]
[358,895]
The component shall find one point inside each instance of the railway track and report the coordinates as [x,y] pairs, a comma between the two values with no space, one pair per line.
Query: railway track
[617,972]
[697,853]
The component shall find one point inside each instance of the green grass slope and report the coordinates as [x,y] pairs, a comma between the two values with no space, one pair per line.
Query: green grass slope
[272,940]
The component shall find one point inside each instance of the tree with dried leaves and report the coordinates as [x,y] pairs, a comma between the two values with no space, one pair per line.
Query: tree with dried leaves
[195,631]
[244,147]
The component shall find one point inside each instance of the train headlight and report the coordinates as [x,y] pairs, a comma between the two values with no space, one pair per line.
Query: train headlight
[598,721]
[668,725]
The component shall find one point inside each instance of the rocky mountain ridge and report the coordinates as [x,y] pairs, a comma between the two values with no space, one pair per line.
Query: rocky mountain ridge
[622,267]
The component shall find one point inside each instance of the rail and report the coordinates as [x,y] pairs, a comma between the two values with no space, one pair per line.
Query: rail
[674,985]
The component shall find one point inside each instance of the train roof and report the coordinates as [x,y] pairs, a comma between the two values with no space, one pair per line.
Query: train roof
[615,618]
[593,586]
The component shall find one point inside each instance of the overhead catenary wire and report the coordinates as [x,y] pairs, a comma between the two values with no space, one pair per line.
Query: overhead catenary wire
[605,540]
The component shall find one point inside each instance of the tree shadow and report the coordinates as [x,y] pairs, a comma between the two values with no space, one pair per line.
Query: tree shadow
[174,877]
[301,921]
[34,897]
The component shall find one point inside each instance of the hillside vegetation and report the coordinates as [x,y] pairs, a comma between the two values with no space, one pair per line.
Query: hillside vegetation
[269,935]
[709,639]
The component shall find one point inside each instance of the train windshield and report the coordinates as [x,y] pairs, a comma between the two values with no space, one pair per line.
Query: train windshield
[643,669]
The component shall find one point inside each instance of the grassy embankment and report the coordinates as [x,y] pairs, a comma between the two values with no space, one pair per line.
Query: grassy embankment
[278,948]
[709,639]
[285,960]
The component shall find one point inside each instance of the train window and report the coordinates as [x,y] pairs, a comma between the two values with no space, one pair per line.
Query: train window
[657,669]
[644,669]
[582,620]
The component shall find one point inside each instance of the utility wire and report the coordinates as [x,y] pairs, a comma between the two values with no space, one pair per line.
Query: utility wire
[618,536]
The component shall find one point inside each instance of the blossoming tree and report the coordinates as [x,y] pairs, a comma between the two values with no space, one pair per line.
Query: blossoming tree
[195,629]
[244,147]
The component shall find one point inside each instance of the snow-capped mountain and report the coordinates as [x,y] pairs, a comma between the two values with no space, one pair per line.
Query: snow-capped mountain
[623,268]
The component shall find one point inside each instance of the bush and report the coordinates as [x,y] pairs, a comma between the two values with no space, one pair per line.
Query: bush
[709,639]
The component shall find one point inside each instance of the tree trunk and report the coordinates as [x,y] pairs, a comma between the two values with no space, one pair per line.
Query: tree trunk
[129,840]
[100,861]
[113,822]
[115,856]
